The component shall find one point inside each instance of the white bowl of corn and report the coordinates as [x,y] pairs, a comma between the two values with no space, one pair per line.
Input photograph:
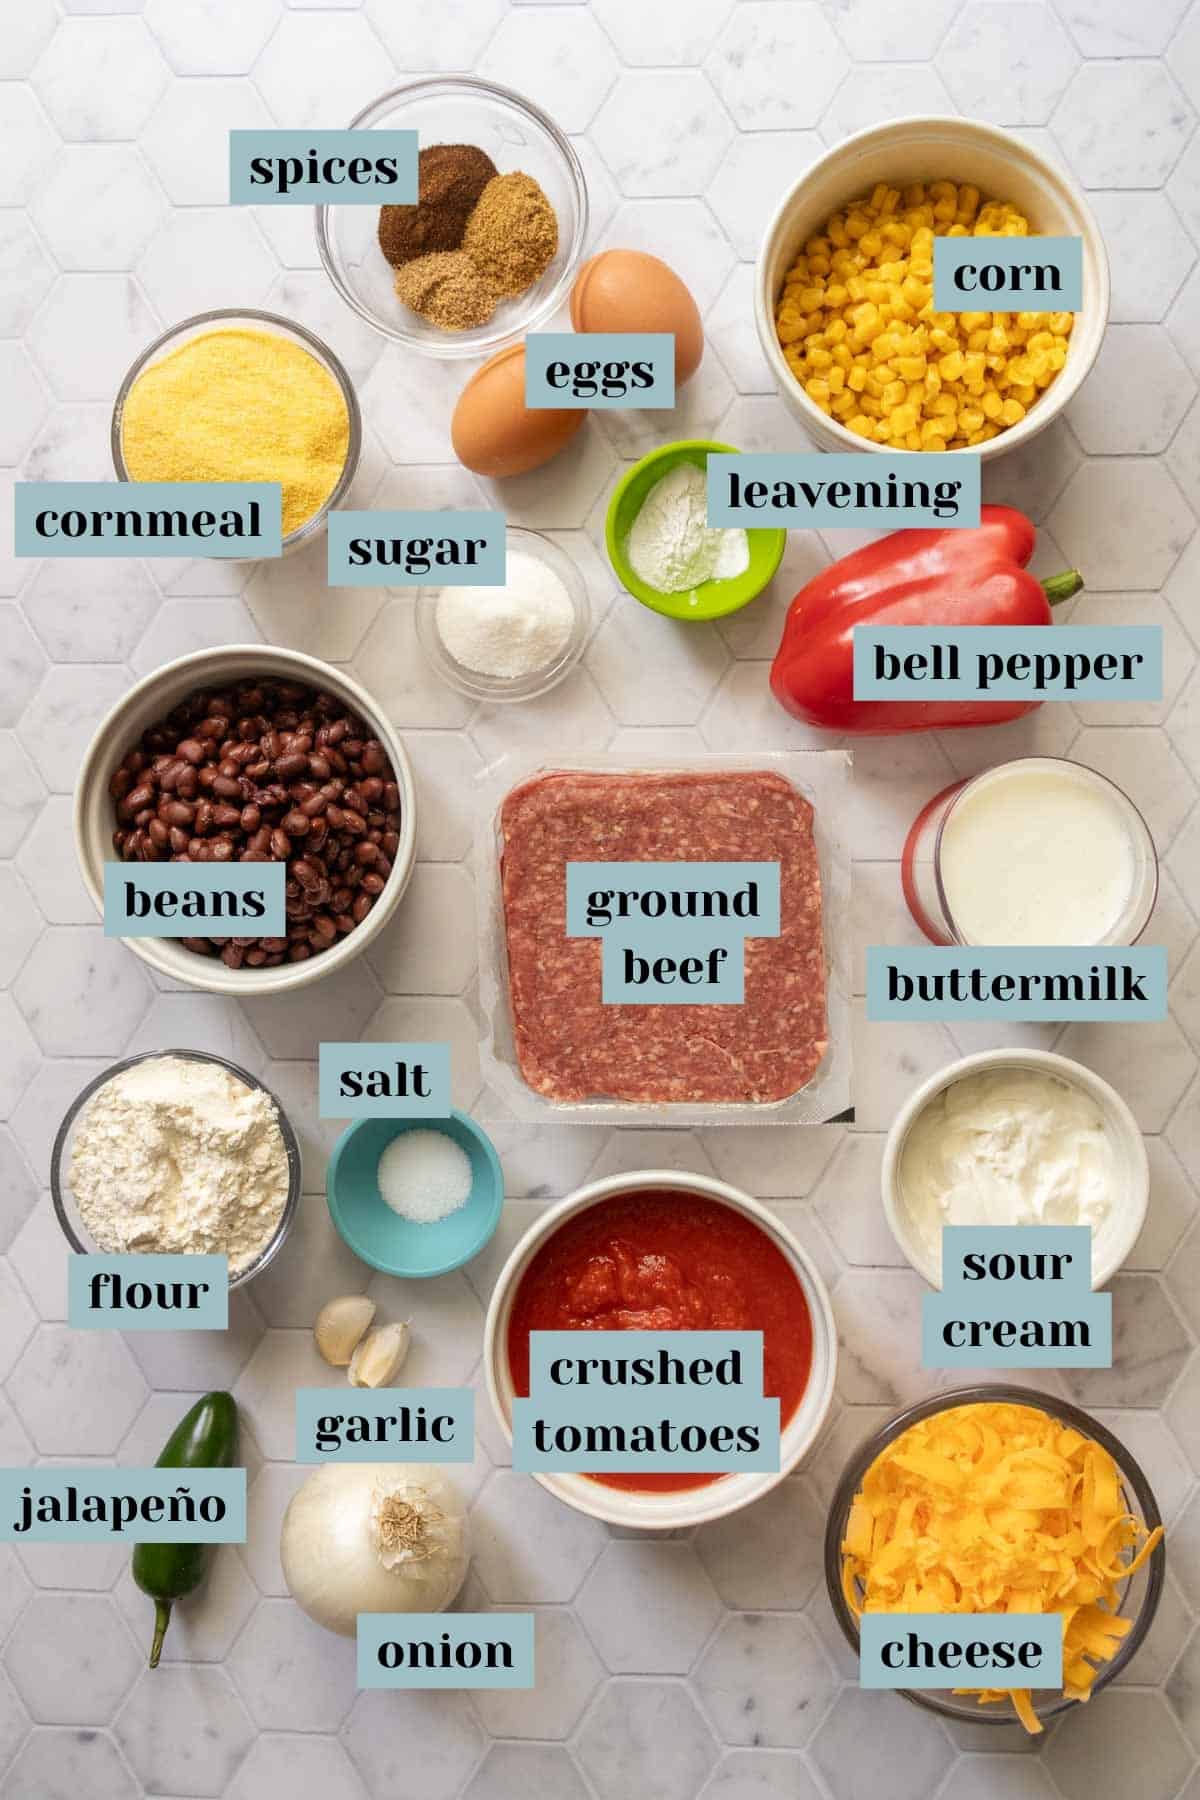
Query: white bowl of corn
[844,292]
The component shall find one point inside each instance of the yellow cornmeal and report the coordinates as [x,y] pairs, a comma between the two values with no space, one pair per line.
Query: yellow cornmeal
[855,321]
[240,405]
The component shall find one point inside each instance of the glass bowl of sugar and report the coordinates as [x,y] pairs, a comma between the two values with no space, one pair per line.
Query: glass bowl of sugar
[510,642]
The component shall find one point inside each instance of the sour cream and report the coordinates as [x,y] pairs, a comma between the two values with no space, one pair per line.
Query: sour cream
[1038,852]
[1007,1146]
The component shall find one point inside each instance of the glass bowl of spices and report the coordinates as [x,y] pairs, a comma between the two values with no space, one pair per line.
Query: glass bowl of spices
[492,245]
[242,395]
[177,1152]
[513,642]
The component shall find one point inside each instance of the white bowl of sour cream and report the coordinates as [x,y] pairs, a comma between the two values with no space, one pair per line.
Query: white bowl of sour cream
[1015,1137]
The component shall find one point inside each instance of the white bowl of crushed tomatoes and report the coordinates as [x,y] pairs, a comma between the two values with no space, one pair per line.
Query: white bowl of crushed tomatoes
[663,1250]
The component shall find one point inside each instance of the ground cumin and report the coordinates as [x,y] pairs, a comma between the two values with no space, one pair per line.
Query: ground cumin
[447,289]
[512,234]
[239,405]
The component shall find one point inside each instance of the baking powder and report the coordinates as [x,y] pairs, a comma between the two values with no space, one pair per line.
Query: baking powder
[174,1155]
[672,548]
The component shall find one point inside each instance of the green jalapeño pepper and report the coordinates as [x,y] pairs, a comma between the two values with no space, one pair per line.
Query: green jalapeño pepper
[205,1438]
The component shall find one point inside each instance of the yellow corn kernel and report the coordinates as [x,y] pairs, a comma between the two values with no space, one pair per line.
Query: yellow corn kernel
[857,325]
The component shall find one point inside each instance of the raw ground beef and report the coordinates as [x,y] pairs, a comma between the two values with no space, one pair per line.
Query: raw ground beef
[570,1046]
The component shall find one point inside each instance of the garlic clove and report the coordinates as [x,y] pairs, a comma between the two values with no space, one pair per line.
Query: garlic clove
[378,1358]
[340,1326]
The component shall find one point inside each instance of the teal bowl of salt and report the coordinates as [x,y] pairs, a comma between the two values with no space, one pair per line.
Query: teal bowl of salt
[415,1197]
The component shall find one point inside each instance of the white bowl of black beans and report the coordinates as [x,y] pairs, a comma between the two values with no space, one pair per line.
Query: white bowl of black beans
[252,753]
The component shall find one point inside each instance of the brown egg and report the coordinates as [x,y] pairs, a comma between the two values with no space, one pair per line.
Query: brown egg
[628,290]
[495,433]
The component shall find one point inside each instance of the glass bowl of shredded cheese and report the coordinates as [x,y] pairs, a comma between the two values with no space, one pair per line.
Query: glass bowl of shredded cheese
[993,1499]
[241,395]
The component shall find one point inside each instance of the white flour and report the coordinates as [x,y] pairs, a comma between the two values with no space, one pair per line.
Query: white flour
[671,548]
[179,1156]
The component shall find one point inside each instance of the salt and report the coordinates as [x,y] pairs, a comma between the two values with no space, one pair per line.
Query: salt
[508,631]
[424,1176]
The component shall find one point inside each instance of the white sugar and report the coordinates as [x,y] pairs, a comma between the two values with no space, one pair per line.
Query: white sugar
[424,1176]
[509,631]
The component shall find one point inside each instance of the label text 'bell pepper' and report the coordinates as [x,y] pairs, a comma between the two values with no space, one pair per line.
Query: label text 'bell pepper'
[1008,662]
[1016,1297]
[844,490]
[673,934]
[652,1402]
[933,578]
[960,1650]
[151,1506]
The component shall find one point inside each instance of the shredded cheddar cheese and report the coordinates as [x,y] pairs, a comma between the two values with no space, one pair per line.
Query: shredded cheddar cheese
[998,1508]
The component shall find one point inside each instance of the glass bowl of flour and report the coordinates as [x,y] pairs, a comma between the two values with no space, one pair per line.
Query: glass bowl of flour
[177,1152]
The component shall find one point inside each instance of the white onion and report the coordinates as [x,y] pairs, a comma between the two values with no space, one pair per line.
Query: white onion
[373,1537]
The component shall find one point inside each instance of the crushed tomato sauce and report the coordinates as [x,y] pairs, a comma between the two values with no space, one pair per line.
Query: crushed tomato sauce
[666,1260]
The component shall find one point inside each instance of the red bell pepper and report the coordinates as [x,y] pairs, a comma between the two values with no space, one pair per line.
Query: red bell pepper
[972,575]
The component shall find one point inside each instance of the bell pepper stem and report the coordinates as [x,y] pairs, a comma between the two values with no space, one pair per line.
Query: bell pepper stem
[1065,586]
[162,1618]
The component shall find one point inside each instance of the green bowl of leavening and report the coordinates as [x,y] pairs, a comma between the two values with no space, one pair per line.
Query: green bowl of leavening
[711,599]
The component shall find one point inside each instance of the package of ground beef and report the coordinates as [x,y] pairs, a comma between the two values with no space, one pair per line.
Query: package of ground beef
[777,1056]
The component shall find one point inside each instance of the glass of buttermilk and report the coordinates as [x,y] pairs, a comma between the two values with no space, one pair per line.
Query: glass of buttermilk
[1039,851]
